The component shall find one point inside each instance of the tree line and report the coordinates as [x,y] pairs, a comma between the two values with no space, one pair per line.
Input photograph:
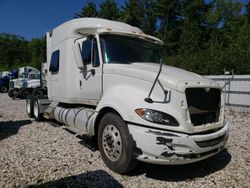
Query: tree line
[201,36]
[16,52]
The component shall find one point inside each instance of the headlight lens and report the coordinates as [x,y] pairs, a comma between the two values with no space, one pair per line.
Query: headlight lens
[158,117]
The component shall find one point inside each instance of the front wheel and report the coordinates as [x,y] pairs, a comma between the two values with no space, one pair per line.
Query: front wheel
[116,144]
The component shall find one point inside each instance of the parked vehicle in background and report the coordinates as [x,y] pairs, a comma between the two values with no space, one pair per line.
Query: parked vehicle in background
[4,81]
[4,73]
[106,80]
[28,81]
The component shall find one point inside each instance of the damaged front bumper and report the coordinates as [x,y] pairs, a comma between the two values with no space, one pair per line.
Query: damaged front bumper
[166,147]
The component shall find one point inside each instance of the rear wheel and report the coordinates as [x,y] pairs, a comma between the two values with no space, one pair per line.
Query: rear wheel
[116,144]
[24,94]
[36,110]
[38,93]
[13,93]
[29,107]
[3,89]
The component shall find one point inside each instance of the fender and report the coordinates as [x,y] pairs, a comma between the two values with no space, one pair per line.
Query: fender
[122,99]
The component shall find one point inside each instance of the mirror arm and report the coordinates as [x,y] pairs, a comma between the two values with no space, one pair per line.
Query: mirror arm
[148,99]
[83,35]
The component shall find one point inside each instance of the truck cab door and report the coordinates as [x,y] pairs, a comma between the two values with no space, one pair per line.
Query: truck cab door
[91,75]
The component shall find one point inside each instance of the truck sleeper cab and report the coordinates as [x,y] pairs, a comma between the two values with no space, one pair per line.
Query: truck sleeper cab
[104,79]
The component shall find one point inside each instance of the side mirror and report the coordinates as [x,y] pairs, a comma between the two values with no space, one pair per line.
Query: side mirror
[78,55]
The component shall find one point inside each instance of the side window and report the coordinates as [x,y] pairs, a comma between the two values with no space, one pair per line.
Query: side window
[96,61]
[37,76]
[54,62]
[86,51]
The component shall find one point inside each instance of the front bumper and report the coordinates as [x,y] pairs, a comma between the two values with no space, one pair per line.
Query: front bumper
[166,147]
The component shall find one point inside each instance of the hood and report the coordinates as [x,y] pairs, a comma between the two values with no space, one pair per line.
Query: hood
[170,77]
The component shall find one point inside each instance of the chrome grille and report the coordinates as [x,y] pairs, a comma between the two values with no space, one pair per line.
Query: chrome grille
[11,84]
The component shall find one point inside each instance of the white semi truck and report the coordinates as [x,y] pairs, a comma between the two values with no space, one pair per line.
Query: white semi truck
[106,79]
[29,81]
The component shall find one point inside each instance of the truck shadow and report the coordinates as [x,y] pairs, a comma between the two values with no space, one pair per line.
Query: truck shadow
[98,178]
[177,173]
[9,128]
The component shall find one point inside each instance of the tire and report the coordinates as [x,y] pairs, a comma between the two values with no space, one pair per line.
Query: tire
[13,93]
[10,93]
[38,93]
[116,144]
[24,94]
[29,108]
[3,89]
[38,116]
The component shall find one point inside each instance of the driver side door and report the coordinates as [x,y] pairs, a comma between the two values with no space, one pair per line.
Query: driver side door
[91,75]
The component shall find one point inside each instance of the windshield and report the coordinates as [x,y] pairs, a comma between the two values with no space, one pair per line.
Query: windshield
[24,75]
[34,76]
[124,50]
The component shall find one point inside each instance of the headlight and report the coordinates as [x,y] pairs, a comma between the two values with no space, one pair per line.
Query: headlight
[158,117]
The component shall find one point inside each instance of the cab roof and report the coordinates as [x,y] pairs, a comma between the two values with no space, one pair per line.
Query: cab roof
[79,26]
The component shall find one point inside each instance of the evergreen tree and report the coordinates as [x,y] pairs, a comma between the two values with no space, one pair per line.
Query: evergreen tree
[194,27]
[88,11]
[248,12]
[132,13]
[109,10]
[168,14]
[140,14]
[148,24]
[199,36]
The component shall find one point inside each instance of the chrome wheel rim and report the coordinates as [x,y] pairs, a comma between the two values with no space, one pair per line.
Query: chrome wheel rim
[112,142]
[35,109]
[28,106]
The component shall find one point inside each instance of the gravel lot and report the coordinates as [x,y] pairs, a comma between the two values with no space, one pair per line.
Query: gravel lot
[36,154]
